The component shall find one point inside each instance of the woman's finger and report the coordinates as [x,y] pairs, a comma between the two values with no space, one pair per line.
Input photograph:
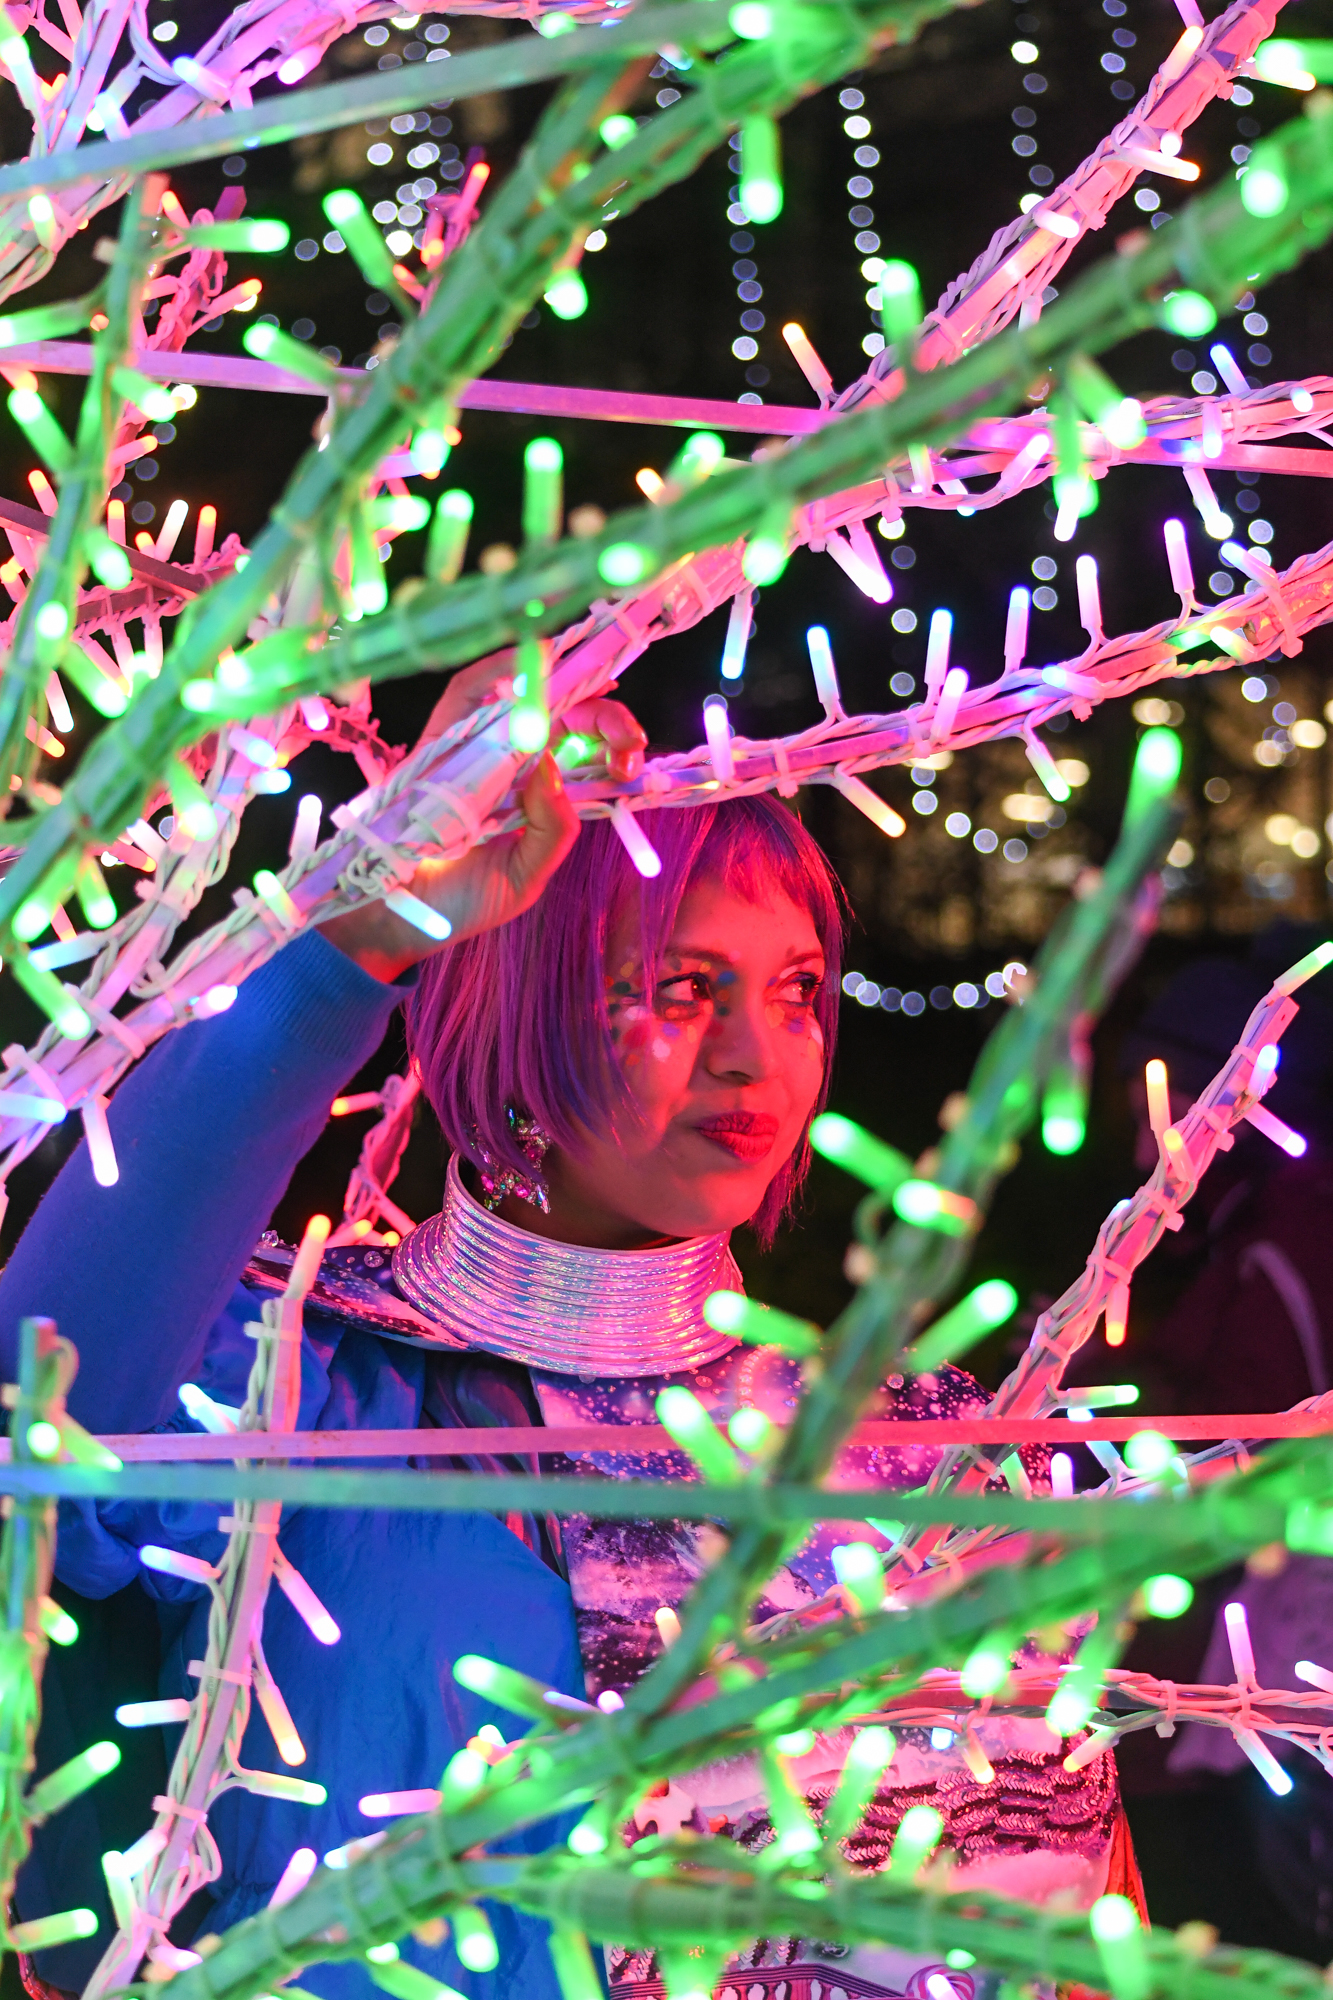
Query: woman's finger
[551,830]
[471,688]
[620,730]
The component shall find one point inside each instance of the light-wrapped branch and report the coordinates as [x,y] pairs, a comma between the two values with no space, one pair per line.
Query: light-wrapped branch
[455,336]
[39,1430]
[177,1856]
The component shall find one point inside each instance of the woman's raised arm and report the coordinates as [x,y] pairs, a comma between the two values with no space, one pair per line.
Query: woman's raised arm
[210,1126]
[207,1131]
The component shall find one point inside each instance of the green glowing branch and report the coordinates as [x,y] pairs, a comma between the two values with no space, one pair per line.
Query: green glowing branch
[914,1266]
[29,1617]
[707,1895]
[1086,953]
[420,1870]
[47,612]
[678,1894]
[543,209]
[468,1492]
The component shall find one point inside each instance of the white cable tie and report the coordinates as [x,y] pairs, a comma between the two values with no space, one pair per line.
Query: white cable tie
[203,1671]
[788,786]
[401,867]
[451,800]
[177,1808]
[111,1024]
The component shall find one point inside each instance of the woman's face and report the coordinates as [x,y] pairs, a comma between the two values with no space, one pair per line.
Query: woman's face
[723,1061]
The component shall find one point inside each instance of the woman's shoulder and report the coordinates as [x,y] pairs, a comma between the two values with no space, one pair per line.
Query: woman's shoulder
[354,1286]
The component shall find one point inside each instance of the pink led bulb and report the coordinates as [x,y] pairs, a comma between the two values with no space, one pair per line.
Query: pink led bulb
[718,731]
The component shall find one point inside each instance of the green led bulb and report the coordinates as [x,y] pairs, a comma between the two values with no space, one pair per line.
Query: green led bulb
[849,1145]
[1189,314]
[1157,764]
[918,1835]
[623,564]
[449,529]
[985,1308]
[761,170]
[567,295]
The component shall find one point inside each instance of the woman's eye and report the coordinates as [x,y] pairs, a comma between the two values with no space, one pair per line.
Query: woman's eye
[691,989]
[800,991]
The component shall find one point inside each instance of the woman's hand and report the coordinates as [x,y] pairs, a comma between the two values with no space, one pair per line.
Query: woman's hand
[492,883]
[474,686]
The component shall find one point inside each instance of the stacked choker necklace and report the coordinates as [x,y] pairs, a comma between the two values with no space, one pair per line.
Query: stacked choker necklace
[558,1306]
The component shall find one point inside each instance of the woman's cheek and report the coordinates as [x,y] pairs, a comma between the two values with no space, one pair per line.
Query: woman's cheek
[804,1064]
[632,1030]
[657,1055]
[807,1068]
[796,1026]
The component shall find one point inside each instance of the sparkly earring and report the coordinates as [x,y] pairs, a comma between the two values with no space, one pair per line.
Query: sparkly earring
[498,1179]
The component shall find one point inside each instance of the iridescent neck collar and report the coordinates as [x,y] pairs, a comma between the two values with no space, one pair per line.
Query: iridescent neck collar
[557,1306]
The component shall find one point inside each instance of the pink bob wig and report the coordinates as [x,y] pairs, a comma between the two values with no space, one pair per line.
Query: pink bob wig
[518,1016]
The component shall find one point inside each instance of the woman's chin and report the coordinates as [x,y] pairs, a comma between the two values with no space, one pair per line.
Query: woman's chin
[707,1205]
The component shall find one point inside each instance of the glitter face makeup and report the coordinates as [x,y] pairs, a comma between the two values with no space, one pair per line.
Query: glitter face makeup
[723,1061]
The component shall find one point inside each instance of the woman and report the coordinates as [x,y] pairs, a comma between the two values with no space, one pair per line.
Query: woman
[625,1072]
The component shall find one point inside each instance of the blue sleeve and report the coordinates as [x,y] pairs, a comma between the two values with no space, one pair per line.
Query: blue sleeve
[350,1380]
[207,1131]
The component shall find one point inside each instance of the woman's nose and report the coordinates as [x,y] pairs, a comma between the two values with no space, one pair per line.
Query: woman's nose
[740,1040]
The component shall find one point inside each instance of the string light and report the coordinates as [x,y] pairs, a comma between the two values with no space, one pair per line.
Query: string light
[865,154]
[988,1667]
[749,290]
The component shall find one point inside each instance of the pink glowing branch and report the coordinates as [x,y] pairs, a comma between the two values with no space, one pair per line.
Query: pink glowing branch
[1023,257]
[1128,1236]
[461,784]
[1176,424]
[206,1448]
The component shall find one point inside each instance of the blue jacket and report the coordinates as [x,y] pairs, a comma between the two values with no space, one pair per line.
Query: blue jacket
[207,1132]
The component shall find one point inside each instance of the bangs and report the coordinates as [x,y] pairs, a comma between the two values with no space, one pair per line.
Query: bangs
[518,1016]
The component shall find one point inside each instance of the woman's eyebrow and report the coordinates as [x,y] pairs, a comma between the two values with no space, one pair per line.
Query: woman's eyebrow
[674,949]
[719,955]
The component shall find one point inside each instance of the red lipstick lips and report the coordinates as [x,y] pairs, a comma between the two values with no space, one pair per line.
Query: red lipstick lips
[746,1135]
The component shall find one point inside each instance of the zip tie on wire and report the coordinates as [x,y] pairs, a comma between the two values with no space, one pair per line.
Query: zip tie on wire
[177,1807]
[111,1024]
[235,1676]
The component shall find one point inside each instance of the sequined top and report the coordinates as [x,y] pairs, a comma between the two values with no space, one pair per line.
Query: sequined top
[1032,1830]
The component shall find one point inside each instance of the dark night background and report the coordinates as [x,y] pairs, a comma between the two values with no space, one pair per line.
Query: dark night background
[930,910]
